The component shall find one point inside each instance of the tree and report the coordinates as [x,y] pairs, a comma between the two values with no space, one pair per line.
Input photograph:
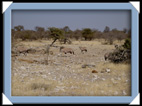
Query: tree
[66,30]
[87,34]
[19,28]
[56,34]
[77,34]
[40,31]
[107,29]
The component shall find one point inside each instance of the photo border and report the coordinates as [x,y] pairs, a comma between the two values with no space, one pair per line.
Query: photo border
[71,99]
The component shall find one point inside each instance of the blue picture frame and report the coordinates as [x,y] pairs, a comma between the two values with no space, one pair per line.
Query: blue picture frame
[71,99]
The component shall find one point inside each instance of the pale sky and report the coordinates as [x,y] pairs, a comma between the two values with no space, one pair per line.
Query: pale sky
[75,19]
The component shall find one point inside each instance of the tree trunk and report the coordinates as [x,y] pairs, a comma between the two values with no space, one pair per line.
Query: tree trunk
[53,42]
[47,51]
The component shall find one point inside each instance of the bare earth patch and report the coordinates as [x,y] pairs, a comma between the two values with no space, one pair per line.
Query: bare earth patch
[65,76]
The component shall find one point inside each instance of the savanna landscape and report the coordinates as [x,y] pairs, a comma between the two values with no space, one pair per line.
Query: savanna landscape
[61,62]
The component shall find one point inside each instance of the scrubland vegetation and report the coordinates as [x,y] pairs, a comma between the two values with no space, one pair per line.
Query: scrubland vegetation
[40,68]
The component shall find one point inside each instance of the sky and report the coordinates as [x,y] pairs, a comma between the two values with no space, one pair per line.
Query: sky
[75,19]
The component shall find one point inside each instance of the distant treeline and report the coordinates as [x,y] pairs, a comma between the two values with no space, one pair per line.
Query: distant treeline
[65,33]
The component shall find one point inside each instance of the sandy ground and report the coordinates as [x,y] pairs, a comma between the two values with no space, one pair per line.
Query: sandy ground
[64,75]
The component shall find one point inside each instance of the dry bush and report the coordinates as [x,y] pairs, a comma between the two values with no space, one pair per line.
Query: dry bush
[41,86]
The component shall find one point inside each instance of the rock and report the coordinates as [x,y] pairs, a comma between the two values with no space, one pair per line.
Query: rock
[95,76]
[22,80]
[22,67]
[33,72]
[83,66]
[15,74]
[31,79]
[103,79]
[44,76]
[94,71]
[102,91]
[124,93]
[108,70]
[51,52]
[115,93]
[88,65]
[57,64]
[103,71]
[127,81]
[41,72]
[118,78]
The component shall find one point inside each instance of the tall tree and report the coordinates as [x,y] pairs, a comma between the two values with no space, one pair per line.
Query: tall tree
[107,29]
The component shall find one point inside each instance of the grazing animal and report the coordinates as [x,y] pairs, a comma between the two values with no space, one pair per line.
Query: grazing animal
[22,50]
[66,50]
[25,50]
[83,49]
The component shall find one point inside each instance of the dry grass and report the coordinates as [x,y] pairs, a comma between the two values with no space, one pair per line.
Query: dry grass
[64,76]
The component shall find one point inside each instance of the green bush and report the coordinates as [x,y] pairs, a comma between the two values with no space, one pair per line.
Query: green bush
[122,53]
[87,34]
[127,44]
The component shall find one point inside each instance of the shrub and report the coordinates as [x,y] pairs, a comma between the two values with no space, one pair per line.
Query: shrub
[122,53]
[127,44]
[87,34]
